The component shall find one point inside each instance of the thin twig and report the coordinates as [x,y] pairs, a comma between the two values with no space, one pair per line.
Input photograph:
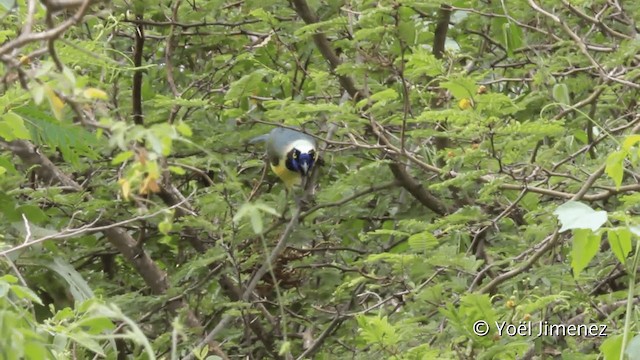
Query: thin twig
[88,228]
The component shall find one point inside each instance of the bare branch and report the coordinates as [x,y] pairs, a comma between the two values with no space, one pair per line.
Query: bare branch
[136,89]
[24,39]
[323,44]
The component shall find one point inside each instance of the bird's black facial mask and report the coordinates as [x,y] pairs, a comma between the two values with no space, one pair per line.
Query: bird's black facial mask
[300,162]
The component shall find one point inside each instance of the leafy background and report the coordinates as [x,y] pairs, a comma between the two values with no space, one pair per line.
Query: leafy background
[479,164]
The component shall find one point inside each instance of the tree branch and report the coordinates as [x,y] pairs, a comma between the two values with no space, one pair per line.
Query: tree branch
[136,91]
[417,190]
[26,38]
[323,44]
[152,275]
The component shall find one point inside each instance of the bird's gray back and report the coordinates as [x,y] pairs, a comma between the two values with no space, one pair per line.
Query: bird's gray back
[279,139]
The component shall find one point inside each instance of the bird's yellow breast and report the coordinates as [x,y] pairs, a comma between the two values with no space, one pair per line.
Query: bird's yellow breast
[290,178]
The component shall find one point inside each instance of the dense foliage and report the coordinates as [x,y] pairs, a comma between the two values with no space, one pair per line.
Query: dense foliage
[479,165]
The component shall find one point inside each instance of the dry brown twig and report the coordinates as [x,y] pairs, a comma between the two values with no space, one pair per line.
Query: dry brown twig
[87,228]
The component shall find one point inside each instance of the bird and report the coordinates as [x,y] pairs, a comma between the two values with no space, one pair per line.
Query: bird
[291,154]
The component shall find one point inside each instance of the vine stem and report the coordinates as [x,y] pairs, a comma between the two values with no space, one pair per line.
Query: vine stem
[630,292]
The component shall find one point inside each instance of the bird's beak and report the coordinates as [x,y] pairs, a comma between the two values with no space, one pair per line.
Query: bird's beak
[305,168]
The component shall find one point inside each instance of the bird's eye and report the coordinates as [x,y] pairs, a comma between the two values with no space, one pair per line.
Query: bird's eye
[312,154]
[296,153]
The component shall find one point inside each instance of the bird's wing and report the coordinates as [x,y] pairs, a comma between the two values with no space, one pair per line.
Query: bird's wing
[279,142]
[257,139]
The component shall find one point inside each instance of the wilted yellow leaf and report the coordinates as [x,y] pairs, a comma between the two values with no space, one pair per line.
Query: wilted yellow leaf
[57,105]
[125,186]
[93,93]
[149,184]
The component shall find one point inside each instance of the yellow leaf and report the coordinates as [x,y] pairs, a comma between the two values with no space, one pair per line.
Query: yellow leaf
[149,185]
[465,103]
[630,141]
[93,93]
[57,105]
[125,186]
[24,60]
[153,186]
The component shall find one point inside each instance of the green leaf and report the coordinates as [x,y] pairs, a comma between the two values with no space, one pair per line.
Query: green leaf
[253,213]
[245,86]
[37,91]
[122,157]
[615,166]
[407,28]
[35,350]
[384,95]
[256,222]
[167,101]
[184,129]
[72,141]
[200,353]
[377,331]
[25,293]
[177,170]
[6,34]
[576,215]
[165,226]
[156,143]
[620,241]
[8,208]
[611,347]
[69,75]
[4,289]
[12,127]
[9,279]
[77,285]
[561,94]
[310,29]
[9,166]
[243,211]
[267,209]
[7,5]
[633,349]
[423,62]
[86,341]
[630,141]
[477,307]
[422,242]
[461,87]
[512,37]
[585,246]
[148,92]
[285,347]
[33,213]
[263,15]
[96,324]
